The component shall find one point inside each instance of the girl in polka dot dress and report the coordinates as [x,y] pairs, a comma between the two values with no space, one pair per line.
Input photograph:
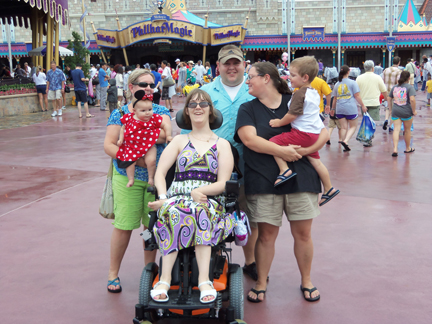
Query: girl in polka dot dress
[138,136]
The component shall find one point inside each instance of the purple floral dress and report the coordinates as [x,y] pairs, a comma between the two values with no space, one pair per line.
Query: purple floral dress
[183,223]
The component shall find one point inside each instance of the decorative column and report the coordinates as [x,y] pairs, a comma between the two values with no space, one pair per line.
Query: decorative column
[109,58]
[334,56]
[63,58]
[57,44]
[343,55]
[292,54]
[384,52]
[49,42]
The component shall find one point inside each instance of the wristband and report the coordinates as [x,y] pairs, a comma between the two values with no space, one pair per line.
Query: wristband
[162,197]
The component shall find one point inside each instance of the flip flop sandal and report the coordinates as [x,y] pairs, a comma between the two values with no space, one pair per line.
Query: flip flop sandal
[310,291]
[257,292]
[89,116]
[284,178]
[114,282]
[329,197]
[346,147]
[251,271]
[410,151]
[394,154]
[80,116]
[156,292]
[207,293]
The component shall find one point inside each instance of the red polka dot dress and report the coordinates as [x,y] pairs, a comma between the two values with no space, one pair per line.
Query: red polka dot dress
[139,136]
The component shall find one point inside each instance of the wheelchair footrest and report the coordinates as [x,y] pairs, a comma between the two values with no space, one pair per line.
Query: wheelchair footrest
[186,302]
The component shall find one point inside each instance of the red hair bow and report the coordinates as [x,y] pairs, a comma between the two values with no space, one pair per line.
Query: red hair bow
[147,97]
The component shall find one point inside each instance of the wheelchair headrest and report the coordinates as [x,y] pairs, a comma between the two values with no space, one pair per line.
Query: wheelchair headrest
[215,125]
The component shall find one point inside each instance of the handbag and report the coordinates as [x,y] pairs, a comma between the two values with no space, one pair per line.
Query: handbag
[67,89]
[367,130]
[167,82]
[241,229]
[106,207]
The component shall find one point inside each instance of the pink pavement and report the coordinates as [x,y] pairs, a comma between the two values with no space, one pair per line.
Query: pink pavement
[373,243]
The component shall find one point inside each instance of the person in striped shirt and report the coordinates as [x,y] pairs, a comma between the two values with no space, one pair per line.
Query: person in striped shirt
[391,76]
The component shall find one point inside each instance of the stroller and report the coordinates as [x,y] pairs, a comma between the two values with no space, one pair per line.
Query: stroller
[184,296]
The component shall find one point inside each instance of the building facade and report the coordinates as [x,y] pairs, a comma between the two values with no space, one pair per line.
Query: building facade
[364,24]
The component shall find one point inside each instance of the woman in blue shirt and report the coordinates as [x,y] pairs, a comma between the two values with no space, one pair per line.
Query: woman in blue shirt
[130,204]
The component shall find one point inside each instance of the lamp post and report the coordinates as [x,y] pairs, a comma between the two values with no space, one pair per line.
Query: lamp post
[288,20]
[339,34]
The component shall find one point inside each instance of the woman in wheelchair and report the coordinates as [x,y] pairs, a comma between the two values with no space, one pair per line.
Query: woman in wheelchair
[191,212]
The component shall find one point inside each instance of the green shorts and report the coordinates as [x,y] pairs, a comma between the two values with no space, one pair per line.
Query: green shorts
[374,112]
[130,204]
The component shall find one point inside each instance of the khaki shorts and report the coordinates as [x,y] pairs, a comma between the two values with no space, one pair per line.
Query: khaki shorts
[54,94]
[374,112]
[333,123]
[268,208]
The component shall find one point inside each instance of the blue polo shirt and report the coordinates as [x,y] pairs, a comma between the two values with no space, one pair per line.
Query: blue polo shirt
[103,83]
[229,109]
[77,75]
[55,79]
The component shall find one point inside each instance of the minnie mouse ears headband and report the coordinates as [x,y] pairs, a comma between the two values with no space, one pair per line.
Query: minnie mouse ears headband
[141,95]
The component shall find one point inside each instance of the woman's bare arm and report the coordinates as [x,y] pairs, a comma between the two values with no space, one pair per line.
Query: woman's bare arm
[162,135]
[111,138]
[360,101]
[249,137]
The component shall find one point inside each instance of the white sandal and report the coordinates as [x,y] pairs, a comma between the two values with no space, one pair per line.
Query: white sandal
[207,293]
[157,292]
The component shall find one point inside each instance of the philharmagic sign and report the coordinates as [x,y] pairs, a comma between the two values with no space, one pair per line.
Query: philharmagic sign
[172,30]
[166,28]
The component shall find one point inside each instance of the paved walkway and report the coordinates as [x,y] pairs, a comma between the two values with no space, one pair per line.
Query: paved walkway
[373,244]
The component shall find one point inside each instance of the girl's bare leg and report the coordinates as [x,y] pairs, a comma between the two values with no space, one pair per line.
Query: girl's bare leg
[150,160]
[130,171]
[352,128]
[407,135]
[396,131]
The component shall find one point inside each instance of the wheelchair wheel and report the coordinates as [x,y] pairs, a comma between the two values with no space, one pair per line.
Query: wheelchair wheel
[236,298]
[147,276]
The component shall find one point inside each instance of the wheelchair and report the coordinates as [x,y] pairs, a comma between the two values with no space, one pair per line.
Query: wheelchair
[184,295]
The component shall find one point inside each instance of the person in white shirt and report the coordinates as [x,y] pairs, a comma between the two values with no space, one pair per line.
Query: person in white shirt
[199,71]
[93,71]
[27,69]
[167,92]
[39,78]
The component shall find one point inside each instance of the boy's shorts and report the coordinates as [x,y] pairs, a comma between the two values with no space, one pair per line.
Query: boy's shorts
[296,137]
[428,95]
[333,123]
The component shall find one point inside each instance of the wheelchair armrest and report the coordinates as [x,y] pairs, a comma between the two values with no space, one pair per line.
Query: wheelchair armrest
[232,188]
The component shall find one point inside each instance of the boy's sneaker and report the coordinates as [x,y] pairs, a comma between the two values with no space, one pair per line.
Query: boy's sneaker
[60,112]
[54,113]
[328,142]
[63,107]
[385,124]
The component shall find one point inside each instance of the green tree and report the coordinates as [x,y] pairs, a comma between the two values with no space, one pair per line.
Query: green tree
[80,53]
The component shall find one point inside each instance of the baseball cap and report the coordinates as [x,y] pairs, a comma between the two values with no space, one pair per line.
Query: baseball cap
[228,52]
[248,61]
[177,60]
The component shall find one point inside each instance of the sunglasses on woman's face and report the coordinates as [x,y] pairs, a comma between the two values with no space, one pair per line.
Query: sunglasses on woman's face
[144,84]
[202,104]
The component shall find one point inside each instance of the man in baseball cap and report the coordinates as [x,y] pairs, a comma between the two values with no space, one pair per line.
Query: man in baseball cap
[228,92]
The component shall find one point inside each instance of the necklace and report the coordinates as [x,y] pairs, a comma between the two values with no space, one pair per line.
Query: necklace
[201,139]
[272,110]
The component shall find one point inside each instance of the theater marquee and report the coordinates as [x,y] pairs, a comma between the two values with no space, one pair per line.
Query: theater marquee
[170,29]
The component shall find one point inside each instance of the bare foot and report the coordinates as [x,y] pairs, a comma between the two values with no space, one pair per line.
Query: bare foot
[206,287]
[309,285]
[161,296]
[260,296]
[285,173]
[130,184]
[323,199]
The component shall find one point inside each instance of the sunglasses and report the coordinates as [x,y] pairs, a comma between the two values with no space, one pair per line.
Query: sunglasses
[250,77]
[145,84]
[202,104]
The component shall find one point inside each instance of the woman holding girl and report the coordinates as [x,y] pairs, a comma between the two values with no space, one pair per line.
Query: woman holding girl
[187,215]
[346,95]
[130,203]
[39,78]
[266,204]
[403,109]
